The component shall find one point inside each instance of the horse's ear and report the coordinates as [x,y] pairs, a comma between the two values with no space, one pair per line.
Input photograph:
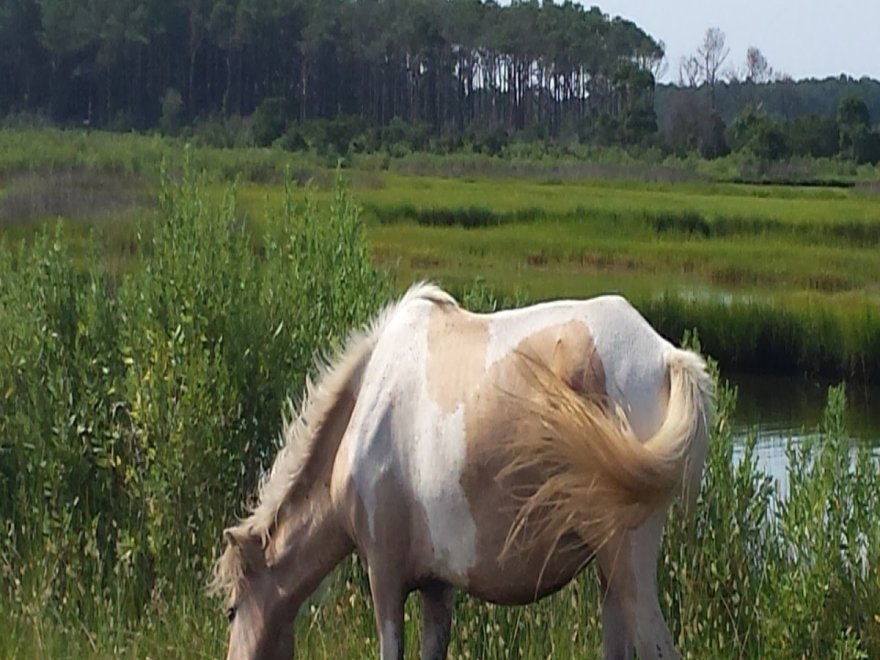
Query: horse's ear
[247,545]
[234,537]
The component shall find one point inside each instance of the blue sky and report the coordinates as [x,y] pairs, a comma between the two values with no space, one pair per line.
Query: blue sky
[803,39]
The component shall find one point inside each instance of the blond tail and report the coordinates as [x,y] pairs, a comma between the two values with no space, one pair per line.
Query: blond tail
[594,477]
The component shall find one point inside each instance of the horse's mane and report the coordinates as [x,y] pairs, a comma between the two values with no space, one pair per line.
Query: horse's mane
[301,430]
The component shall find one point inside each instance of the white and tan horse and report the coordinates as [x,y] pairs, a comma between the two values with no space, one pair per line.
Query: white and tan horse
[496,453]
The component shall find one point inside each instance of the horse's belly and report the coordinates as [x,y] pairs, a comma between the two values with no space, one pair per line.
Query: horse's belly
[526,570]
[524,575]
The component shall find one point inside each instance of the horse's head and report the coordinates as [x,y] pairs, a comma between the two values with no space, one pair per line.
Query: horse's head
[260,606]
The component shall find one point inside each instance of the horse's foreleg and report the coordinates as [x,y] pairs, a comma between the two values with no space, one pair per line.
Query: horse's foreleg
[388,598]
[630,568]
[437,604]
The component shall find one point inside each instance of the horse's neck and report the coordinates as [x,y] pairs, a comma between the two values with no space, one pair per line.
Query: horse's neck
[309,543]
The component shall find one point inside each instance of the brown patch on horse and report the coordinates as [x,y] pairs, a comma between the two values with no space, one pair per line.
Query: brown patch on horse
[457,343]
[571,342]
[491,415]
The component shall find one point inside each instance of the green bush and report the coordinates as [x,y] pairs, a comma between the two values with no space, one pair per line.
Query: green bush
[172,109]
[772,574]
[269,121]
[136,414]
[293,140]
[333,138]
[866,147]
[219,132]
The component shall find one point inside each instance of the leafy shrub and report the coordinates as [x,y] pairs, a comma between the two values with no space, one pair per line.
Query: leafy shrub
[219,132]
[293,140]
[400,137]
[269,121]
[136,414]
[866,147]
[172,109]
[332,138]
[491,141]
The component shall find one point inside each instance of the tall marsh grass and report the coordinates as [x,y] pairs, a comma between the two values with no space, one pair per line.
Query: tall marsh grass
[73,195]
[52,150]
[857,233]
[762,337]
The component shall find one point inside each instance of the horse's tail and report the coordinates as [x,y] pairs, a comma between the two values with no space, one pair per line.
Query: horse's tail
[597,478]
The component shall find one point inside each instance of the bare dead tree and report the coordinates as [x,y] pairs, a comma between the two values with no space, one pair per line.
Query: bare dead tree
[733,74]
[757,68]
[689,71]
[712,54]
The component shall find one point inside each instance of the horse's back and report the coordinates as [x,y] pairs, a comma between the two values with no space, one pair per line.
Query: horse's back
[625,354]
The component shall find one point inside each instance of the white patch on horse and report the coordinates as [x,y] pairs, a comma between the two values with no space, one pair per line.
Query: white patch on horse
[410,436]
[367,452]
[507,329]
[439,452]
[619,331]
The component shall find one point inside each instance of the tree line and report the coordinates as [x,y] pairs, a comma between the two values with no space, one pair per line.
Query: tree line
[448,64]
[337,75]
[719,106]
[774,120]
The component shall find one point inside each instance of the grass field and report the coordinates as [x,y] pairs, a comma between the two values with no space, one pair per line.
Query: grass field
[776,278]
[148,342]
[781,279]
[613,235]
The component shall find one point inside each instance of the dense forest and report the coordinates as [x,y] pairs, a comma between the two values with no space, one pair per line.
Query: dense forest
[446,63]
[425,74]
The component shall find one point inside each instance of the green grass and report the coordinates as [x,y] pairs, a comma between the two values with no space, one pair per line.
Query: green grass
[717,235]
[793,268]
[137,407]
[46,150]
[777,279]
[138,403]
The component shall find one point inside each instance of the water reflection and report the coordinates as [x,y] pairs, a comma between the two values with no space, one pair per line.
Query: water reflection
[779,409]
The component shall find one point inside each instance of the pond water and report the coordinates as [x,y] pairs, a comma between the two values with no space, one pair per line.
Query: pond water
[779,408]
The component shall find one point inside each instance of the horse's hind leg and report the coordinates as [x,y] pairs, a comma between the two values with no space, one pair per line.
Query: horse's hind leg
[631,573]
[653,639]
[388,598]
[616,644]
[437,604]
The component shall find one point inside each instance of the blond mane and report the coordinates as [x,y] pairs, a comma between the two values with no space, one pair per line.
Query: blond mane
[301,431]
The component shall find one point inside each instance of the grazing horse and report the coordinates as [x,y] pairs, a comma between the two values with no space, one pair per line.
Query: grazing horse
[493,453]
